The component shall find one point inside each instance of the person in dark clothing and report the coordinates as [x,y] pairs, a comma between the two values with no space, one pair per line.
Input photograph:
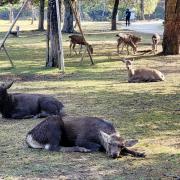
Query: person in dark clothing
[128,16]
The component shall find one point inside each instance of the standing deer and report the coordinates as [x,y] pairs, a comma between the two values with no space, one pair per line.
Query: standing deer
[78,39]
[90,133]
[128,40]
[142,74]
[155,41]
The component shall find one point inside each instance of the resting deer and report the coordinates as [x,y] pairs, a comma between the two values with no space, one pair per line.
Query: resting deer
[22,106]
[142,74]
[155,41]
[84,134]
[78,39]
[128,40]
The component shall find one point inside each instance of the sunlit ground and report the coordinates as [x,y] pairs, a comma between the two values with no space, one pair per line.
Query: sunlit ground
[146,111]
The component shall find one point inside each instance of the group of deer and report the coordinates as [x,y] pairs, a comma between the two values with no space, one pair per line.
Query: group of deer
[134,75]
[62,133]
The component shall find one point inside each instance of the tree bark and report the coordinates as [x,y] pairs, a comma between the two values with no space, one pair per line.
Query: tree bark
[114,14]
[11,14]
[171,37]
[142,10]
[68,18]
[52,36]
[41,15]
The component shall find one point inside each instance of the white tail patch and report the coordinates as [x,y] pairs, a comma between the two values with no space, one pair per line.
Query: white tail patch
[32,143]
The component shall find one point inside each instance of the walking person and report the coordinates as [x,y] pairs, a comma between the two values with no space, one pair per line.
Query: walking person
[128,16]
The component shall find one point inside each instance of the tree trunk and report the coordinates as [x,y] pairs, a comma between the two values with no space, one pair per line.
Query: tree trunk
[11,14]
[171,37]
[52,36]
[68,18]
[114,14]
[142,10]
[41,16]
[33,14]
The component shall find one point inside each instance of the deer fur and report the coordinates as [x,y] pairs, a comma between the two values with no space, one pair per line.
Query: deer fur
[128,40]
[142,74]
[155,41]
[21,106]
[48,135]
[78,39]
[90,133]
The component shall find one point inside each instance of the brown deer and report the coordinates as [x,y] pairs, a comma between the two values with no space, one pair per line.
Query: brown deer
[142,74]
[78,39]
[155,41]
[128,40]
[90,133]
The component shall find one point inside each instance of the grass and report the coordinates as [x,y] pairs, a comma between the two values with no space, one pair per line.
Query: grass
[146,111]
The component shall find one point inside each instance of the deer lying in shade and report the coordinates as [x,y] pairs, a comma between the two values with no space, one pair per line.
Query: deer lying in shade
[78,39]
[83,134]
[142,74]
[21,106]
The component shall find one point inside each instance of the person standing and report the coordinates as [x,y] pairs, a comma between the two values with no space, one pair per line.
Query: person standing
[128,16]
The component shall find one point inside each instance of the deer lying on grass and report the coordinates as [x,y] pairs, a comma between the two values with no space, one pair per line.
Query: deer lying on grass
[155,41]
[128,40]
[78,39]
[90,133]
[21,106]
[143,74]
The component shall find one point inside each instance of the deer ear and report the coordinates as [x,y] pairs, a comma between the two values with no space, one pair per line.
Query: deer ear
[131,142]
[105,136]
[7,86]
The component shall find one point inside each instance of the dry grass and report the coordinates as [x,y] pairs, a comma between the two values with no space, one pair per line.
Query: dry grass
[149,112]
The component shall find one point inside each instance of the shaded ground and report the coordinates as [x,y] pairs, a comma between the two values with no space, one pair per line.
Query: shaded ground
[148,112]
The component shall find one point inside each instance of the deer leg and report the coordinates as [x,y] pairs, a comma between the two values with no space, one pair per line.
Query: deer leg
[122,47]
[74,149]
[89,145]
[80,49]
[74,48]
[70,47]
[132,152]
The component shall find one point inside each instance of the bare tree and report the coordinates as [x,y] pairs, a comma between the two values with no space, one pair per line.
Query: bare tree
[142,10]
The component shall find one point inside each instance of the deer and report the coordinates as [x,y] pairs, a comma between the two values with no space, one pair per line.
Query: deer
[128,40]
[23,106]
[90,133]
[155,41]
[78,39]
[142,74]
[15,33]
[48,135]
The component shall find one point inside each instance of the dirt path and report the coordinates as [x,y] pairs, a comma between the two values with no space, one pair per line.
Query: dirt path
[146,26]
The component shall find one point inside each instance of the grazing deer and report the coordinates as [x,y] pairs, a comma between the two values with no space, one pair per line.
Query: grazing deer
[78,39]
[21,106]
[155,41]
[90,133]
[128,40]
[143,74]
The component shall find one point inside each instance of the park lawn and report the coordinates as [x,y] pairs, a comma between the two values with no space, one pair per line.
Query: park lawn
[149,112]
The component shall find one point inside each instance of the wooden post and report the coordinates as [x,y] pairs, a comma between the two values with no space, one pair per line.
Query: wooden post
[60,53]
[80,29]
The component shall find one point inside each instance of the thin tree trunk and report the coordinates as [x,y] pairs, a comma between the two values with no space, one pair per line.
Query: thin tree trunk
[11,14]
[142,10]
[41,16]
[52,60]
[68,18]
[114,14]
[171,37]
[33,14]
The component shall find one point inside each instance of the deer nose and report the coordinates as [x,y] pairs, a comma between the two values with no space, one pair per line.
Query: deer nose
[114,155]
